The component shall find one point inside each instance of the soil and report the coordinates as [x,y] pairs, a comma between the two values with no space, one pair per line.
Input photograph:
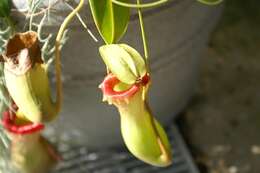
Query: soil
[222,122]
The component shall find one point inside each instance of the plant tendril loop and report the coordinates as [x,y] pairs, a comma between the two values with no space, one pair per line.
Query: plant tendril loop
[210,3]
[146,5]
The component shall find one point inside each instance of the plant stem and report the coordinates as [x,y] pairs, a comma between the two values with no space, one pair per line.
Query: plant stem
[59,94]
[138,5]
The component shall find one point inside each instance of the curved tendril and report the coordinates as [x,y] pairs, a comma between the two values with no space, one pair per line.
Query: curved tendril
[33,8]
[210,3]
[31,17]
[5,31]
[146,5]
[29,13]
[63,26]
[39,30]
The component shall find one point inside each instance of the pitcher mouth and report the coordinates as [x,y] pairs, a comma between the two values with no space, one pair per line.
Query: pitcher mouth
[9,123]
[110,81]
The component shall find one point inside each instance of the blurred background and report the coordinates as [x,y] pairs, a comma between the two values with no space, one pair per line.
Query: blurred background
[222,122]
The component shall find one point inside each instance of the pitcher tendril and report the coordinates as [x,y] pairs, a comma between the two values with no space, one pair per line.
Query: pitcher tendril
[63,26]
[146,54]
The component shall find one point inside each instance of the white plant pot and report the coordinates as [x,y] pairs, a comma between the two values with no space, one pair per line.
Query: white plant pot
[177,33]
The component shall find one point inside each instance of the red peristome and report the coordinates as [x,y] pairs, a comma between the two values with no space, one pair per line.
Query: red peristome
[8,123]
[110,81]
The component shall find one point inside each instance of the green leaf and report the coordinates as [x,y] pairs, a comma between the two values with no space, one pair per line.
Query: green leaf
[111,20]
[210,2]
[5,8]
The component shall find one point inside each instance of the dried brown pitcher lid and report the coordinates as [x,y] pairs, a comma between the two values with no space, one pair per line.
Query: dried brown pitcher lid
[22,52]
